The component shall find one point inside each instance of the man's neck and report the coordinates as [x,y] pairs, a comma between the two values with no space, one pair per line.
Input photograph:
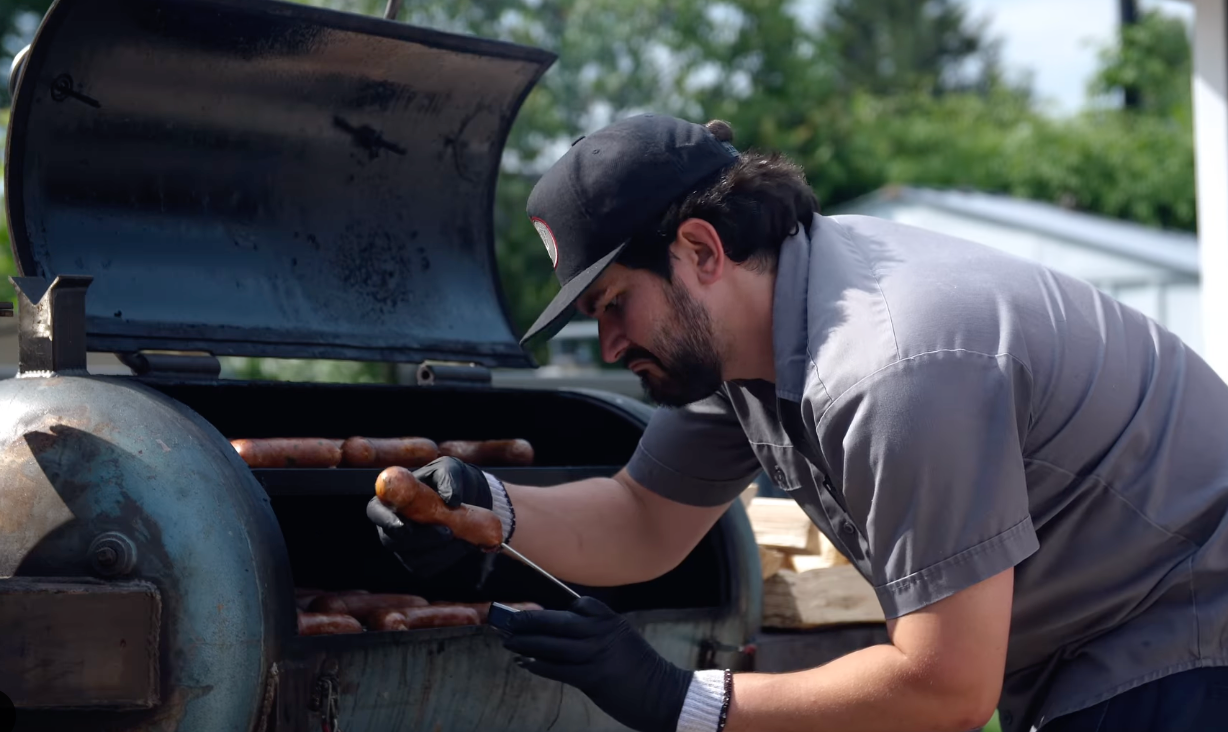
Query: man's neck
[748,349]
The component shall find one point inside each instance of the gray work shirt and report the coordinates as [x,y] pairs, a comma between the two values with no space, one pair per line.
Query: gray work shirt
[943,412]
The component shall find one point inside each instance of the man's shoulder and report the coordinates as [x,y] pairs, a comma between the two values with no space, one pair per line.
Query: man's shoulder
[898,292]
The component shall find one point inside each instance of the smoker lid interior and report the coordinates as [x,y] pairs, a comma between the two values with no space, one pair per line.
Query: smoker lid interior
[250,177]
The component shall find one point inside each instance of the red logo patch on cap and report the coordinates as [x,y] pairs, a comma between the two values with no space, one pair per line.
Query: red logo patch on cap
[552,247]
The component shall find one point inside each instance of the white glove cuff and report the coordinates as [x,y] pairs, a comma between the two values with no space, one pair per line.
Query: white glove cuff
[502,506]
[705,698]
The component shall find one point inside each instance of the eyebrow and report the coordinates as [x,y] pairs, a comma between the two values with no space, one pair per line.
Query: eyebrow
[588,302]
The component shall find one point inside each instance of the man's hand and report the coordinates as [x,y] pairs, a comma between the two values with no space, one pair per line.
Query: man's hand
[597,651]
[426,550]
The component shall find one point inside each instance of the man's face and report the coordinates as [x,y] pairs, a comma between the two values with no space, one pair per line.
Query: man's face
[659,332]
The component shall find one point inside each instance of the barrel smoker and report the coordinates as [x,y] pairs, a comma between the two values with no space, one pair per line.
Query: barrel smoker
[190,179]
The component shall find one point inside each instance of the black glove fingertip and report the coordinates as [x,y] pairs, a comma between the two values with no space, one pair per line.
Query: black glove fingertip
[382,516]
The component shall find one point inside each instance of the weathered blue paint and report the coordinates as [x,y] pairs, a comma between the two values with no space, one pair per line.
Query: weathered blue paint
[82,456]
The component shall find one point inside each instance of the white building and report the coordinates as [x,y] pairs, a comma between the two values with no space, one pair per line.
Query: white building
[1211,151]
[1153,271]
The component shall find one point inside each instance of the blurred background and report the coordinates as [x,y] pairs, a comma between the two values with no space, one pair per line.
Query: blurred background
[1055,129]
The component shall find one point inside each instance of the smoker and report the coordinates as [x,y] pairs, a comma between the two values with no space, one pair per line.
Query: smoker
[188,179]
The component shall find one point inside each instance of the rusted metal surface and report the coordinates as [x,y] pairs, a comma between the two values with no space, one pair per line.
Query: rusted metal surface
[79,644]
[458,679]
[81,457]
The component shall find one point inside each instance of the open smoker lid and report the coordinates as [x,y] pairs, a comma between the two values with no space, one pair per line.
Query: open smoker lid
[249,177]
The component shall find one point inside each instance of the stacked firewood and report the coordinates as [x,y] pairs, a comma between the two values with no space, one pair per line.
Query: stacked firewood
[807,582]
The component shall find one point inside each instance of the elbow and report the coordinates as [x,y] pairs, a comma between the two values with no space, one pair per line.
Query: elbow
[970,705]
[958,702]
[972,714]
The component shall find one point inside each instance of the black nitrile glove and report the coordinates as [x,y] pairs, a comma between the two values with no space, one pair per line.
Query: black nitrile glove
[426,550]
[597,651]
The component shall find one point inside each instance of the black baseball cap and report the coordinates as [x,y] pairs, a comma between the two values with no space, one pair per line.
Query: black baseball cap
[610,186]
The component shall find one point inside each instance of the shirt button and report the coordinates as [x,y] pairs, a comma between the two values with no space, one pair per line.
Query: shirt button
[1006,717]
[779,474]
[847,527]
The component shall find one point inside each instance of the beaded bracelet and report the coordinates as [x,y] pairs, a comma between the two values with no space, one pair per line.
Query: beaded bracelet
[720,726]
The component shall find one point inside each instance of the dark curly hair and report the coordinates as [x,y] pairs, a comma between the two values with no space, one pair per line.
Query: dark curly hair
[754,205]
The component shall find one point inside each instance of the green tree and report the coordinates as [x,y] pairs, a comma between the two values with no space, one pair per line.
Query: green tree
[889,47]
[18,20]
[1152,56]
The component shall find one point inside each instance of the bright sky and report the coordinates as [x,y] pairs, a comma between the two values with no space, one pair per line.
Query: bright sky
[1057,40]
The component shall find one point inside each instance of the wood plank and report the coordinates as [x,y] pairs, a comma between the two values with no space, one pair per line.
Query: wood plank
[771,561]
[779,523]
[819,597]
[828,556]
[749,494]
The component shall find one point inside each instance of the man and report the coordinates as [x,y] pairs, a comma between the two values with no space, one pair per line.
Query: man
[1033,477]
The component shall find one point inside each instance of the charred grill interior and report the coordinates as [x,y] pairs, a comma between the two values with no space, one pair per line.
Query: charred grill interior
[331,544]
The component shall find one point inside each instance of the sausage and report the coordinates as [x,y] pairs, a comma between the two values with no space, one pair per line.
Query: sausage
[439,617]
[362,606]
[483,608]
[418,503]
[378,452]
[327,623]
[489,452]
[387,619]
[289,452]
[417,618]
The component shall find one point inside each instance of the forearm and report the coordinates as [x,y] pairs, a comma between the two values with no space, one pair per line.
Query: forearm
[599,532]
[877,688]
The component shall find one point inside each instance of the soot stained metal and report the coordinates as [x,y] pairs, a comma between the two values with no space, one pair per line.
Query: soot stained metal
[263,180]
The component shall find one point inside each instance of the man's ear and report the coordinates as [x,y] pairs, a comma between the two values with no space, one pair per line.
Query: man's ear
[699,245]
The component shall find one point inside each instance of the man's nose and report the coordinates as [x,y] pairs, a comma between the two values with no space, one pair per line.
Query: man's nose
[613,343]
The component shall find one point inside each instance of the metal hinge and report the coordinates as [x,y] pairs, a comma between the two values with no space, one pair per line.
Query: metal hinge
[444,373]
[201,365]
[324,701]
[51,331]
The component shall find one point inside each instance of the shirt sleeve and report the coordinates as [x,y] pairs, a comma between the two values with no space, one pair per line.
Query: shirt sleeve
[930,461]
[697,455]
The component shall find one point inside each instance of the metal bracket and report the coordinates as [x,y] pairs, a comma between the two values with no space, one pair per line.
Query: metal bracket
[324,701]
[442,373]
[179,365]
[51,329]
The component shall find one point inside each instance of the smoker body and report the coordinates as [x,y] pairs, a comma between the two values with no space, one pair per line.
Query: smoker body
[225,545]
[193,178]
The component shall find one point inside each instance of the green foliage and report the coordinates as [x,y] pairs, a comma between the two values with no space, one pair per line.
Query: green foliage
[1152,56]
[901,46]
[290,369]
[1136,167]
[7,267]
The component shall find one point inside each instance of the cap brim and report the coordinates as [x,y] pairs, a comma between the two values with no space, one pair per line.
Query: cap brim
[561,308]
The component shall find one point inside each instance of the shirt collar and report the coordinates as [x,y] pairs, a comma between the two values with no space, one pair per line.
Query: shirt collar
[789,329]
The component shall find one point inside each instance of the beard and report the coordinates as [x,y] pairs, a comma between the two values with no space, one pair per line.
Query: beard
[684,351]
